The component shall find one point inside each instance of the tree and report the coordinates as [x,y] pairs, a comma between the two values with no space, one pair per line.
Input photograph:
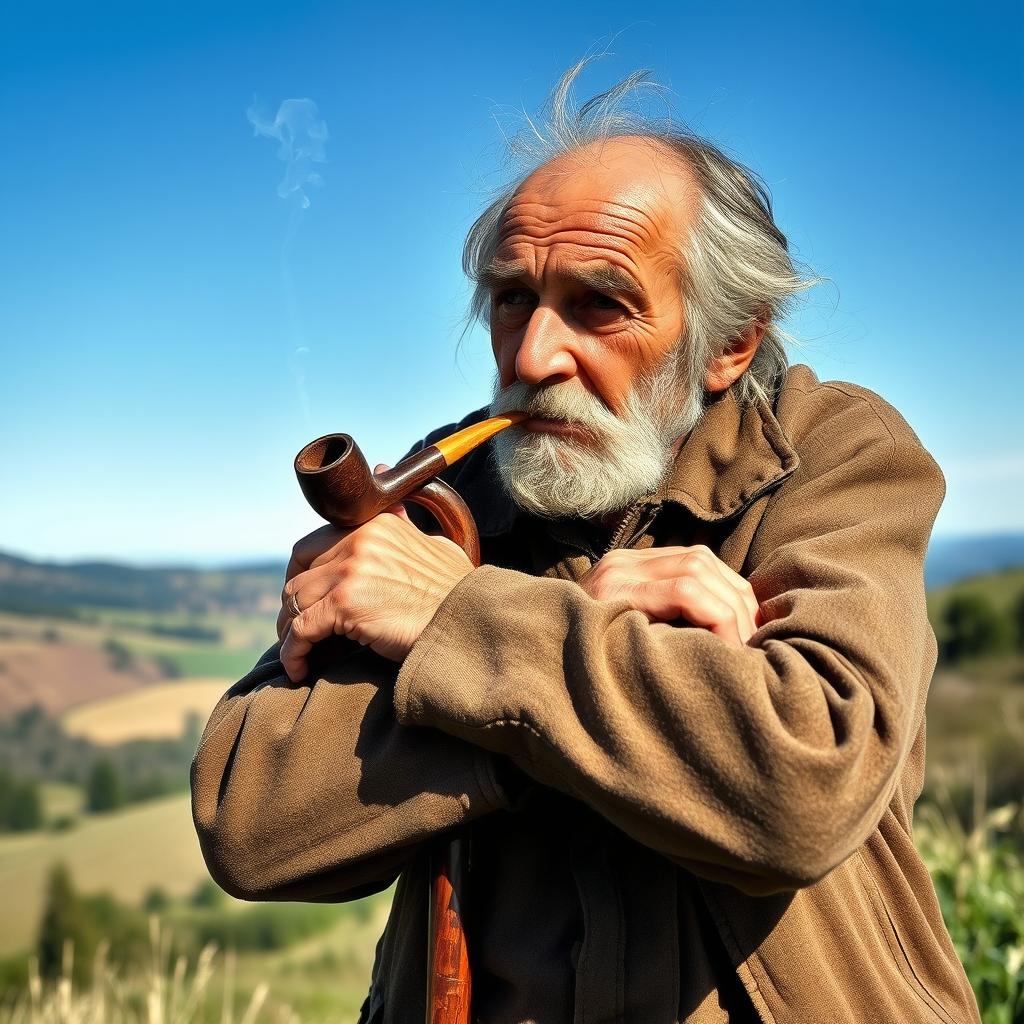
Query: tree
[168,667]
[1017,617]
[103,790]
[64,920]
[25,808]
[21,807]
[120,656]
[156,900]
[973,627]
[206,894]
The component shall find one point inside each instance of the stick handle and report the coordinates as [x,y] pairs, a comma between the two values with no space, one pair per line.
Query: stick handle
[445,504]
[449,983]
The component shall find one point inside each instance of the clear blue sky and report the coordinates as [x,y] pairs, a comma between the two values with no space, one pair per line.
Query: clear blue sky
[151,381]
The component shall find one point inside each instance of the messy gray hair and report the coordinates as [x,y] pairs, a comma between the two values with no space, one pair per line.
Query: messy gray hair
[734,262]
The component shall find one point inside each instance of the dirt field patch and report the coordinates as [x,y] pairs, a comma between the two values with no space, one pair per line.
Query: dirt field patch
[153,712]
[59,675]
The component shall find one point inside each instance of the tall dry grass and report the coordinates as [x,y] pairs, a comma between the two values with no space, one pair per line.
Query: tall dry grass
[163,993]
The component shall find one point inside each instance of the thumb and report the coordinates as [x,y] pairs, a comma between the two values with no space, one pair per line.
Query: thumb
[398,508]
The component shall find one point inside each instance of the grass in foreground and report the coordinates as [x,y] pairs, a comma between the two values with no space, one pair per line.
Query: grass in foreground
[162,994]
[979,878]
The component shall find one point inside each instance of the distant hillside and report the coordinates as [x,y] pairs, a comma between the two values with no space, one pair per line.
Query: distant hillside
[956,558]
[51,588]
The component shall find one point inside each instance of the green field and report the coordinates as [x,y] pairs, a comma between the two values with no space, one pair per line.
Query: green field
[127,853]
[60,800]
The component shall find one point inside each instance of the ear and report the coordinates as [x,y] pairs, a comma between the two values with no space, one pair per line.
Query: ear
[723,370]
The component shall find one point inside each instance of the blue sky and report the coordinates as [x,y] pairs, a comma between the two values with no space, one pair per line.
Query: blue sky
[154,388]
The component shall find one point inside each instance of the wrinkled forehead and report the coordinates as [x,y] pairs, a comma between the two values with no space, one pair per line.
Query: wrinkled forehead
[623,193]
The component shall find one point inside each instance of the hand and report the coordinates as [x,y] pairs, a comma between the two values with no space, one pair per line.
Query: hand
[379,584]
[678,582]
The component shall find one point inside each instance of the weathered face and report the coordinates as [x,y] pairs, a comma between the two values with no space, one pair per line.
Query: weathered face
[585,282]
[586,314]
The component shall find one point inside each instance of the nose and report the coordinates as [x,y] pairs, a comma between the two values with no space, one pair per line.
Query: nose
[545,354]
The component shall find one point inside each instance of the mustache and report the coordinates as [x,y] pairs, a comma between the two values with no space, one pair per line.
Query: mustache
[565,402]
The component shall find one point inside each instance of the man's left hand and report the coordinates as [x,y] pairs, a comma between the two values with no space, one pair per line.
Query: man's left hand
[671,583]
[379,584]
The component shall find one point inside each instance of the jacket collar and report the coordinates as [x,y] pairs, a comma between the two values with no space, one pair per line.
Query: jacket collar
[729,459]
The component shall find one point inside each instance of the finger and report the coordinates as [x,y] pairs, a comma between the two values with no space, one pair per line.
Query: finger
[303,632]
[691,564]
[293,656]
[743,588]
[398,509]
[669,563]
[308,588]
[731,588]
[312,546]
[691,599]
[738,610]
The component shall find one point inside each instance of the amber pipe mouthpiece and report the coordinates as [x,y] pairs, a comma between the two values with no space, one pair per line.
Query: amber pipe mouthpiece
[338,484]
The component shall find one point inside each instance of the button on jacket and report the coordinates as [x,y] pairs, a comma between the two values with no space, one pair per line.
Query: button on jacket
[663,827]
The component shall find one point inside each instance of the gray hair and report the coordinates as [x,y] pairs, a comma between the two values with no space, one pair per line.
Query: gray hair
[735,263]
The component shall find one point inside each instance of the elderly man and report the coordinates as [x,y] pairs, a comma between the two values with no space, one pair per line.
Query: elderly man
[680,707]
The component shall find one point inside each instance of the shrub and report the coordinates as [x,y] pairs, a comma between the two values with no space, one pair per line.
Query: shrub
[21,807]
[206,894]
[973,627]
[1017,616]
[979,878]
[119,655]
[103,789]
[156,900]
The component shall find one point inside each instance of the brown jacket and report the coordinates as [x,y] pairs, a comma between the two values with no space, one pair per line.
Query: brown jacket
[664,827]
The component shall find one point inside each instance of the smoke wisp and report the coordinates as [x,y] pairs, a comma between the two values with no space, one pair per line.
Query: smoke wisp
[302,134]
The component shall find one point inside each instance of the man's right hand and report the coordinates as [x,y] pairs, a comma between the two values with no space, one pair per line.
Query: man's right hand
[312,550]
[315,549]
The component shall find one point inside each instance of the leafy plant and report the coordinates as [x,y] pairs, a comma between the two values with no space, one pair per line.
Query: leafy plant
[979,878]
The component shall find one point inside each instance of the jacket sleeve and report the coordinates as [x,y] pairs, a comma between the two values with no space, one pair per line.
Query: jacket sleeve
[763,766]
[314,791]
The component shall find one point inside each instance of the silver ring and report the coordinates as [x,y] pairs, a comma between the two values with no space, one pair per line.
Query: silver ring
[293,607]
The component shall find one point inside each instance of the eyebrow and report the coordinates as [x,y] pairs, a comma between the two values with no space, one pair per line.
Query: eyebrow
[602,277]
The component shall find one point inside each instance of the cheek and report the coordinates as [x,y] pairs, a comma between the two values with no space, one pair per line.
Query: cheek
[504,348]
[615,362]
[605,371]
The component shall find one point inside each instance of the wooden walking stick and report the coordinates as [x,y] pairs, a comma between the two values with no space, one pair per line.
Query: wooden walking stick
[337,482]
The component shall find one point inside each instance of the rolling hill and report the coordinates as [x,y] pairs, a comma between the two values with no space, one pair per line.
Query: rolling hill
[62,589]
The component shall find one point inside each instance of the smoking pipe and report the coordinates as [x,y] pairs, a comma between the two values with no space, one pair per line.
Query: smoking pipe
[337,482]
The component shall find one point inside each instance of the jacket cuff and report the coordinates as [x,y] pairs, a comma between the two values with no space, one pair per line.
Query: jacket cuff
[430,681]
[432,675]
[450,677]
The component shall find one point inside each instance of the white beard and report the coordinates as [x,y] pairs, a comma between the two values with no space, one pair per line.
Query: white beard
[623,459]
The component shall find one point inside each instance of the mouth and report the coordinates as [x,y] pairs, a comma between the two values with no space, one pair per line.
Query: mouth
[563,428]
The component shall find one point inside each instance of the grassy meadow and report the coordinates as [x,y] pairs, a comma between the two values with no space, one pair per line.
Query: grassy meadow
[127,853]
[125,689]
